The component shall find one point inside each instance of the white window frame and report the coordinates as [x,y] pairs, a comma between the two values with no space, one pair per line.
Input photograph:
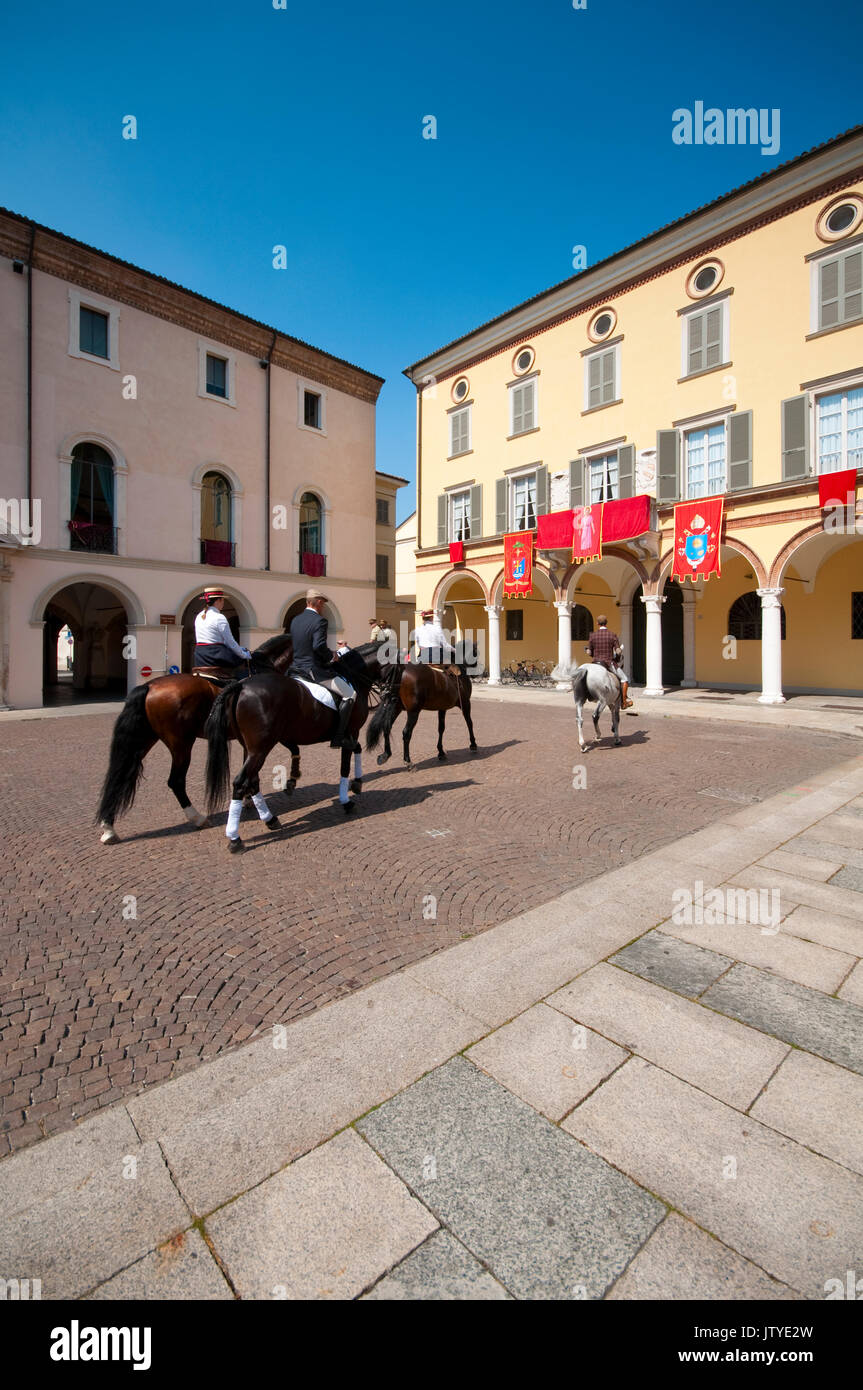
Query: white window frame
[830,253]
[618,388]
[82,299]
[594,458]
[452,497]
[685,431]
[316,390]
[464,410]
[512,480]
[206,350]
[839,388]
[699,309]
[528,380]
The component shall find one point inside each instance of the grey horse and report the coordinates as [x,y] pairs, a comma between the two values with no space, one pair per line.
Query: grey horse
[592,682]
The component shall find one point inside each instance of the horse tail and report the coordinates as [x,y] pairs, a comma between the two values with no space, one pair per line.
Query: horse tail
[131,740]
[217,733]
[383,718]
[579,685]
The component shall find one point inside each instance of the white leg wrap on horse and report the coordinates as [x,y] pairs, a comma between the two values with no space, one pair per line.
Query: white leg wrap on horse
[235,810]
[343,790]
[261,806]
[358,764]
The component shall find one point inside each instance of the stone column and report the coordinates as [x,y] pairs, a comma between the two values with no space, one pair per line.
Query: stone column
[771,647]
[688,639]
[494,611]
[564,637]
[653,604]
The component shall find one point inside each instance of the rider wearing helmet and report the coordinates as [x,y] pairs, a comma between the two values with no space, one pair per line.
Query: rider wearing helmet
[604,648]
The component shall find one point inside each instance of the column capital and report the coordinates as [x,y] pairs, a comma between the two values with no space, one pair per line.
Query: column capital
[653,602]
[563,606]
[494,610]
[770,597]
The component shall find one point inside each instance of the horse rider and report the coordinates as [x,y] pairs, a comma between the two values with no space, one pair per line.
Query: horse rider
[214,641]
[376,634]
[313,660]
[431,640]
[604,648]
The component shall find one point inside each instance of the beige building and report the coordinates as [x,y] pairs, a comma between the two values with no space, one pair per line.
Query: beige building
[406,564]
[387,605]
[154,442]
[719,356]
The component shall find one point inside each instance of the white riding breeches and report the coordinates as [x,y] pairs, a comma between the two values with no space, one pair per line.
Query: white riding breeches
[343,687]
[620,672]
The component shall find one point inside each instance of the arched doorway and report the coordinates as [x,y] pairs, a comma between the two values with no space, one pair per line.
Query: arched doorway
[190,613]
[334,622]
[98,622]
[672,636]
[217,520]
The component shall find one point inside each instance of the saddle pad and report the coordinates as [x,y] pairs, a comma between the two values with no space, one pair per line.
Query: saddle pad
[320,692]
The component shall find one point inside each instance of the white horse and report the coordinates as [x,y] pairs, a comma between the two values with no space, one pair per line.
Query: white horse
[592,682]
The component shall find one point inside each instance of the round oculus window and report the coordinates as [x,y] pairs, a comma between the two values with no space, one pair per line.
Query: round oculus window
[704,278]
[460,389]
[523,360]
[840,218]
[601,325]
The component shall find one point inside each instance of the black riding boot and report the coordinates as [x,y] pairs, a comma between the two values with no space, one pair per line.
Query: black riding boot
[340,737]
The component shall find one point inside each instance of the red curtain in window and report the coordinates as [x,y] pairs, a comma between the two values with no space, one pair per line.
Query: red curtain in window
[313,565]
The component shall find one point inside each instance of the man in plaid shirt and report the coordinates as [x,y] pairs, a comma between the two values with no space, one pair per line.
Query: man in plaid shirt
[604,647]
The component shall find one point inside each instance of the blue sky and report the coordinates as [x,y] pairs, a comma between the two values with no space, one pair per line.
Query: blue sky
[303,127]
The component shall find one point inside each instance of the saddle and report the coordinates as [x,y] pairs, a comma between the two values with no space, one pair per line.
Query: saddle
[219,675]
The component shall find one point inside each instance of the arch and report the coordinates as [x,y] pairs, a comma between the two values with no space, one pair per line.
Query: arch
[213,466]
[334,617]
[93,437]
[248,617]
[314,487]
[450,578]
[662,568]
[134,608]
[612,552]
[808,533]
[496,588]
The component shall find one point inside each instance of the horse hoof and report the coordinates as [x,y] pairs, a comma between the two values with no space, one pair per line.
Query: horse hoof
[474,748]
[288,788]
[109,836]
[618,742]
[349,807]
[441,757]
[235,846]
[357,786]
[382,758]
[273,823]
[409,767]
[202,823]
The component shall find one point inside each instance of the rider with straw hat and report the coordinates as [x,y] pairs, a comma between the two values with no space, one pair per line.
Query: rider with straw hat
[214,641]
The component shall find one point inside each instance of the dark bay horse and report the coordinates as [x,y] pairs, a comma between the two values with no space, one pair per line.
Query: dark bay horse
[173,709]
[267,710]
[413,688]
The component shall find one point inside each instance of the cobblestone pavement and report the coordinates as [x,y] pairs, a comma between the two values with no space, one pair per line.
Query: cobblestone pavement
[95,1006]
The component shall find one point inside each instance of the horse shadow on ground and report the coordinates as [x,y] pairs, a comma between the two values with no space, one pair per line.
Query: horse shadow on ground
[607,744]
[453,755]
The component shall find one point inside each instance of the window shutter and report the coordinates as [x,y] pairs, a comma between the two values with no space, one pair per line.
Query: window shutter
[500,491]
[852,275]
[795,437]
[713,338]
[541,491]
[476,511]
[828,294]
[594,382]
[576,482]
[607,393]
[442,519]
[626,470]
[528,412]
[740,451]
[667,466]
[695,354]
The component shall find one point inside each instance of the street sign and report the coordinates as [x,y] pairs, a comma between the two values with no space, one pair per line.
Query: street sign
[167,619]
[174,671]
[146,672]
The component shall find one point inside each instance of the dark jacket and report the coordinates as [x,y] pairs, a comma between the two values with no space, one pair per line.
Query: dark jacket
[311,653]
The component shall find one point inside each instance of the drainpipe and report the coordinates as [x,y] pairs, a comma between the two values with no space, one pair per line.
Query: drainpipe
[419,460]
[30,375]
[268,516]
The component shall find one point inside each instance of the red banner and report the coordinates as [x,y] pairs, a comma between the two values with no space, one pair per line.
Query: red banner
[697,537]
[624,518]
[587,533]
[456,552]
[518,564]
[834,489]
[554,531]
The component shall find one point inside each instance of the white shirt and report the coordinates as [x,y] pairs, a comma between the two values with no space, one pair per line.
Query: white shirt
[212,626]
[432,635]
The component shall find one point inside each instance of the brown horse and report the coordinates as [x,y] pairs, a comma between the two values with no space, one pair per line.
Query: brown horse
[173,709]
[264,711]
[413,688]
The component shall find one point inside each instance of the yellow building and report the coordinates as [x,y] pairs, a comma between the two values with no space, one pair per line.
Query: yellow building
[720,355]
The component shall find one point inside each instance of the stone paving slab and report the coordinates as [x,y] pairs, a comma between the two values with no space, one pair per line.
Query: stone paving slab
[852,989]
[677,964]
[181,1269]
[325,1228]
[817,1103]
[804,846]
[831,1028]
[817,967]
[849,877]
[807,867]
[67,1161]
[81,1236]
[681,1262]
[441,1270]
[545,1060]
[549,1219]
[796,1215]
[803,891]
[720,1056]
[839,829]
[825,929]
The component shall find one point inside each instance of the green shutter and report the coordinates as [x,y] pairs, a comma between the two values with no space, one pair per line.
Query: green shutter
[667,466]
[740,451]
[476,512]
[441,520]
[795,437]
[576,483]
[541,491]
[626,470]
[500,491]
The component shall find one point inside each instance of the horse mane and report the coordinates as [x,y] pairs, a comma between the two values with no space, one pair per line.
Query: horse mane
[273,645]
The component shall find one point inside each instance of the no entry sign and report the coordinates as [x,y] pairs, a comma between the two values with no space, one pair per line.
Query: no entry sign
[146,672]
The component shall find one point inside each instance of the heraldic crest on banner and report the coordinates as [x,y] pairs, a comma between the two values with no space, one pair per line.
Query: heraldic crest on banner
[697,538]
[518,564]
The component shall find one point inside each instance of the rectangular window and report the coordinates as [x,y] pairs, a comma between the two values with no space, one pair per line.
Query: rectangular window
[522,407]
[383,511]
[93,332]
[840,289]
[217,376]
[601,378]
[382,571]
[703,338]
[459,432]
[603,477]
[459,512]
[312,410]
[705,461]
[515,625]
[839,430]
[523,503]
[857,616]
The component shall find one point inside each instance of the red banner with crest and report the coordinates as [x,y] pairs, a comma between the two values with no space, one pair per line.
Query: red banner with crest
[518,564]
[697,538]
